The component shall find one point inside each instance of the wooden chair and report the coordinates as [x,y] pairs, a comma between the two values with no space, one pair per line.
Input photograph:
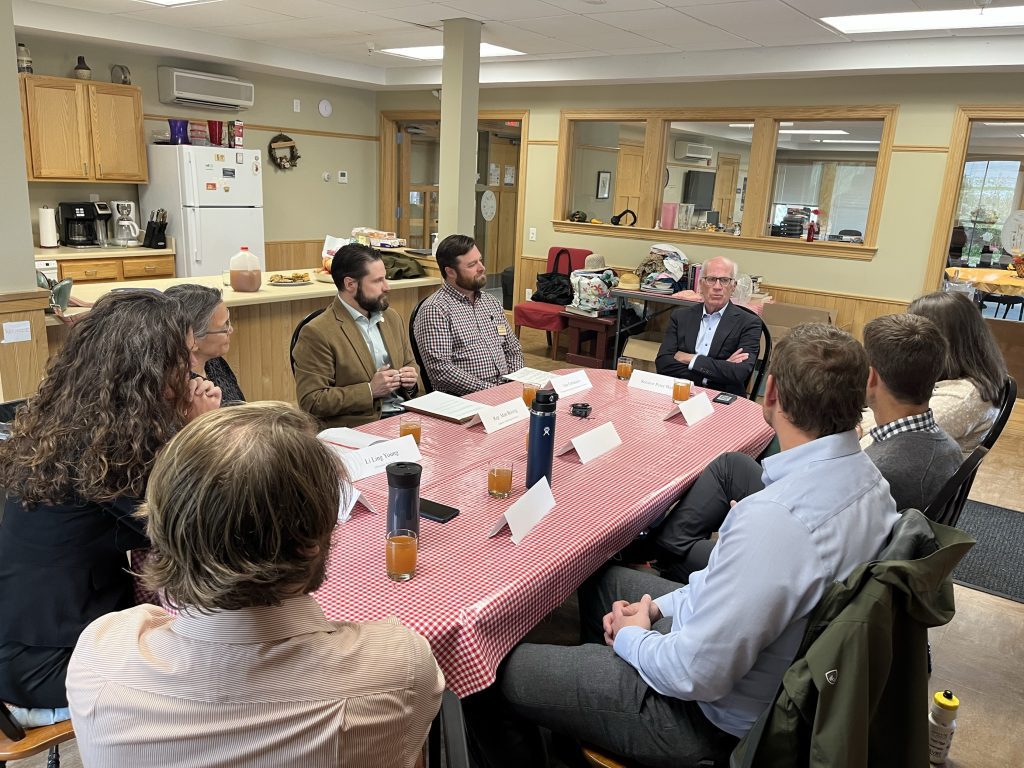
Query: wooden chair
[18,743]
[427,386]
[599,760]
[949,502]
[540,314]
[295,333]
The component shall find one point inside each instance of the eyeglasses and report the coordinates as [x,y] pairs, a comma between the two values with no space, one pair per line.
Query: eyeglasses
[226,329]
[711,280]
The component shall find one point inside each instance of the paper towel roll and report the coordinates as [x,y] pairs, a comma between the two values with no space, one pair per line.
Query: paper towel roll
[47,227]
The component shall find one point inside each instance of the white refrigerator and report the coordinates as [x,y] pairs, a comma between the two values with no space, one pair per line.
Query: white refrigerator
[214,202]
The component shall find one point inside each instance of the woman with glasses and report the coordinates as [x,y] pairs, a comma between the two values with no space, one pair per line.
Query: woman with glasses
[74,469]
[211,324]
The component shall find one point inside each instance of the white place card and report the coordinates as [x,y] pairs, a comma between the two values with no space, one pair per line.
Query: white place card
[367,462]
[533,376]
[593,443]
[355,496]
[502,415]
[444,406]
[528,510]
[695,409]
[350,438]
[571,383]
[18,330]
[652,382]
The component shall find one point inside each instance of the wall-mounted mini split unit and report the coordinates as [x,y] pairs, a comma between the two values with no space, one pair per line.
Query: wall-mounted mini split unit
[203,89]
[683,150]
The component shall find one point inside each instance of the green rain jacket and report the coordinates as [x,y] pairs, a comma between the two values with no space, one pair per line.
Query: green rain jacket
[857,694]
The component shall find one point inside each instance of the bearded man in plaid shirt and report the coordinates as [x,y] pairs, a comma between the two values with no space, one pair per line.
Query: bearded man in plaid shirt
[463,336]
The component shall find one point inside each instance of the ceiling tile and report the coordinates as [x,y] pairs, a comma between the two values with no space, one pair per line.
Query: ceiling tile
[99,6]
[583,31]
[500,33]
[768,22]
[502,10]
[698,36]
[580,6]
[665,19]
[293,28]
[207,15]
[817,9]
[299,9]
[373,5]
[430,15]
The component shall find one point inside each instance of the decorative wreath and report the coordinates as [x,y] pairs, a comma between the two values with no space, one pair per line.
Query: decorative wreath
[277,154]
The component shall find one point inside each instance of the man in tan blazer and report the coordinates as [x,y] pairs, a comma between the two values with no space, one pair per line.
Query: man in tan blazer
[353,363]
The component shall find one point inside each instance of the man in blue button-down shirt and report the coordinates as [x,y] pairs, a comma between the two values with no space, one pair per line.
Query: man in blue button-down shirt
[682,676]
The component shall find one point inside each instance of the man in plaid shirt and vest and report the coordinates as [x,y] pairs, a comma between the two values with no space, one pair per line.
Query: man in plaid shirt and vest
[463,336]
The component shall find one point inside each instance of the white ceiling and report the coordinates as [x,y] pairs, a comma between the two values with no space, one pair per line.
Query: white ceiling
[565,41]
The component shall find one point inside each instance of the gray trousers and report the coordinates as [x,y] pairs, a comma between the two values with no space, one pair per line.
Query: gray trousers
[590,694]
[685,536]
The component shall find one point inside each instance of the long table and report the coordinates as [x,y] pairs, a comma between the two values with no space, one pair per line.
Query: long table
[475,597]
[1004,281]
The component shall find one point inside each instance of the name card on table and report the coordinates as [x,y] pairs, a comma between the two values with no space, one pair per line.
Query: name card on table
[652,382]
[592,444]
[350,438]
[498,416]
[444,406]
[533,376]
[571,383]
[355,496]
[529,510]
[367,462]
[695,409]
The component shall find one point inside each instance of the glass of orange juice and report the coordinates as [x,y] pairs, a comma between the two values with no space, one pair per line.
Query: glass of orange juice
[401,554]
[681,390]
[625,368]
[499,479]
[529,392]
[409,424]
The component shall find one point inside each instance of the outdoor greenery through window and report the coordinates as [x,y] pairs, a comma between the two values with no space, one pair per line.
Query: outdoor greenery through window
[989,192]
[824,176]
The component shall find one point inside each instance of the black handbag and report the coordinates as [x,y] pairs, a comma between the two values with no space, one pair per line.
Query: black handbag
[555,287]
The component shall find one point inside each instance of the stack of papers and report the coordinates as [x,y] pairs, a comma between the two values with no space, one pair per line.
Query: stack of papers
[444,406]
[533,376]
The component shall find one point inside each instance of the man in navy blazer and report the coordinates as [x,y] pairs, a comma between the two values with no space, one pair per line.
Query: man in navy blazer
[715,343]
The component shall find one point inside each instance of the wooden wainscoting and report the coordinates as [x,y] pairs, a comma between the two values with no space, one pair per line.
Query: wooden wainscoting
[23,363]
[852,312]
[293,254]
[305,254]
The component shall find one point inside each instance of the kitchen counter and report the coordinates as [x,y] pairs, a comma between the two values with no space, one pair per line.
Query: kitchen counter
[263,321]
[65,254]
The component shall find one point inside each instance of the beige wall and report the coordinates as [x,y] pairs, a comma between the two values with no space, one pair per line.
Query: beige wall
[926,108]
[298,204]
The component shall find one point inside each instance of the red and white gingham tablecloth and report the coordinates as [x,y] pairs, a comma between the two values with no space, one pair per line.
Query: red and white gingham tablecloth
[475,597]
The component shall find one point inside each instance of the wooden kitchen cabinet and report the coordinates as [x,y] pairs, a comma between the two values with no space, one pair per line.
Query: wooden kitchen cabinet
[109,269]
[82,131]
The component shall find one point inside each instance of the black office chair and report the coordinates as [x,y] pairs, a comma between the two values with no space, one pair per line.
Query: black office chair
[450,726]
[295,333]
[424,378]
[1005,407]
[17,743]
[949,502]
[760,368]
[851,232]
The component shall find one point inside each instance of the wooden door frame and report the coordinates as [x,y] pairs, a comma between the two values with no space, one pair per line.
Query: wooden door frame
[389,168]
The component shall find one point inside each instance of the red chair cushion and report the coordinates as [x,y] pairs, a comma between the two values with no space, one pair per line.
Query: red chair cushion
[539,314]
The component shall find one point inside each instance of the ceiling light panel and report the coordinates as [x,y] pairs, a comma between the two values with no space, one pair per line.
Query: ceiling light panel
[968,18]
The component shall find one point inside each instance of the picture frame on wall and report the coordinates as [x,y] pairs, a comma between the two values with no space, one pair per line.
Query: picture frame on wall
[604,184]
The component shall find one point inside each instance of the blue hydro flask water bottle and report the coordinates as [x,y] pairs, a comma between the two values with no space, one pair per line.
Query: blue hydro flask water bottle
[540,450]
[404,496]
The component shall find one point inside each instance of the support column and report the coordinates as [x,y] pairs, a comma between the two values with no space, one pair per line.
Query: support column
[21,362]
[460,100]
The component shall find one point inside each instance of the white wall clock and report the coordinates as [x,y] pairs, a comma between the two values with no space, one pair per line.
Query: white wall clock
[488,205]
[325,108]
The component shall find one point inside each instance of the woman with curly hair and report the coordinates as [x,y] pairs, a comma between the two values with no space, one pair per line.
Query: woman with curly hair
[74,470]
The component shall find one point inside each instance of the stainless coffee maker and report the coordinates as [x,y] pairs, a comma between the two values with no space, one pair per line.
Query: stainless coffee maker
[125,227]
